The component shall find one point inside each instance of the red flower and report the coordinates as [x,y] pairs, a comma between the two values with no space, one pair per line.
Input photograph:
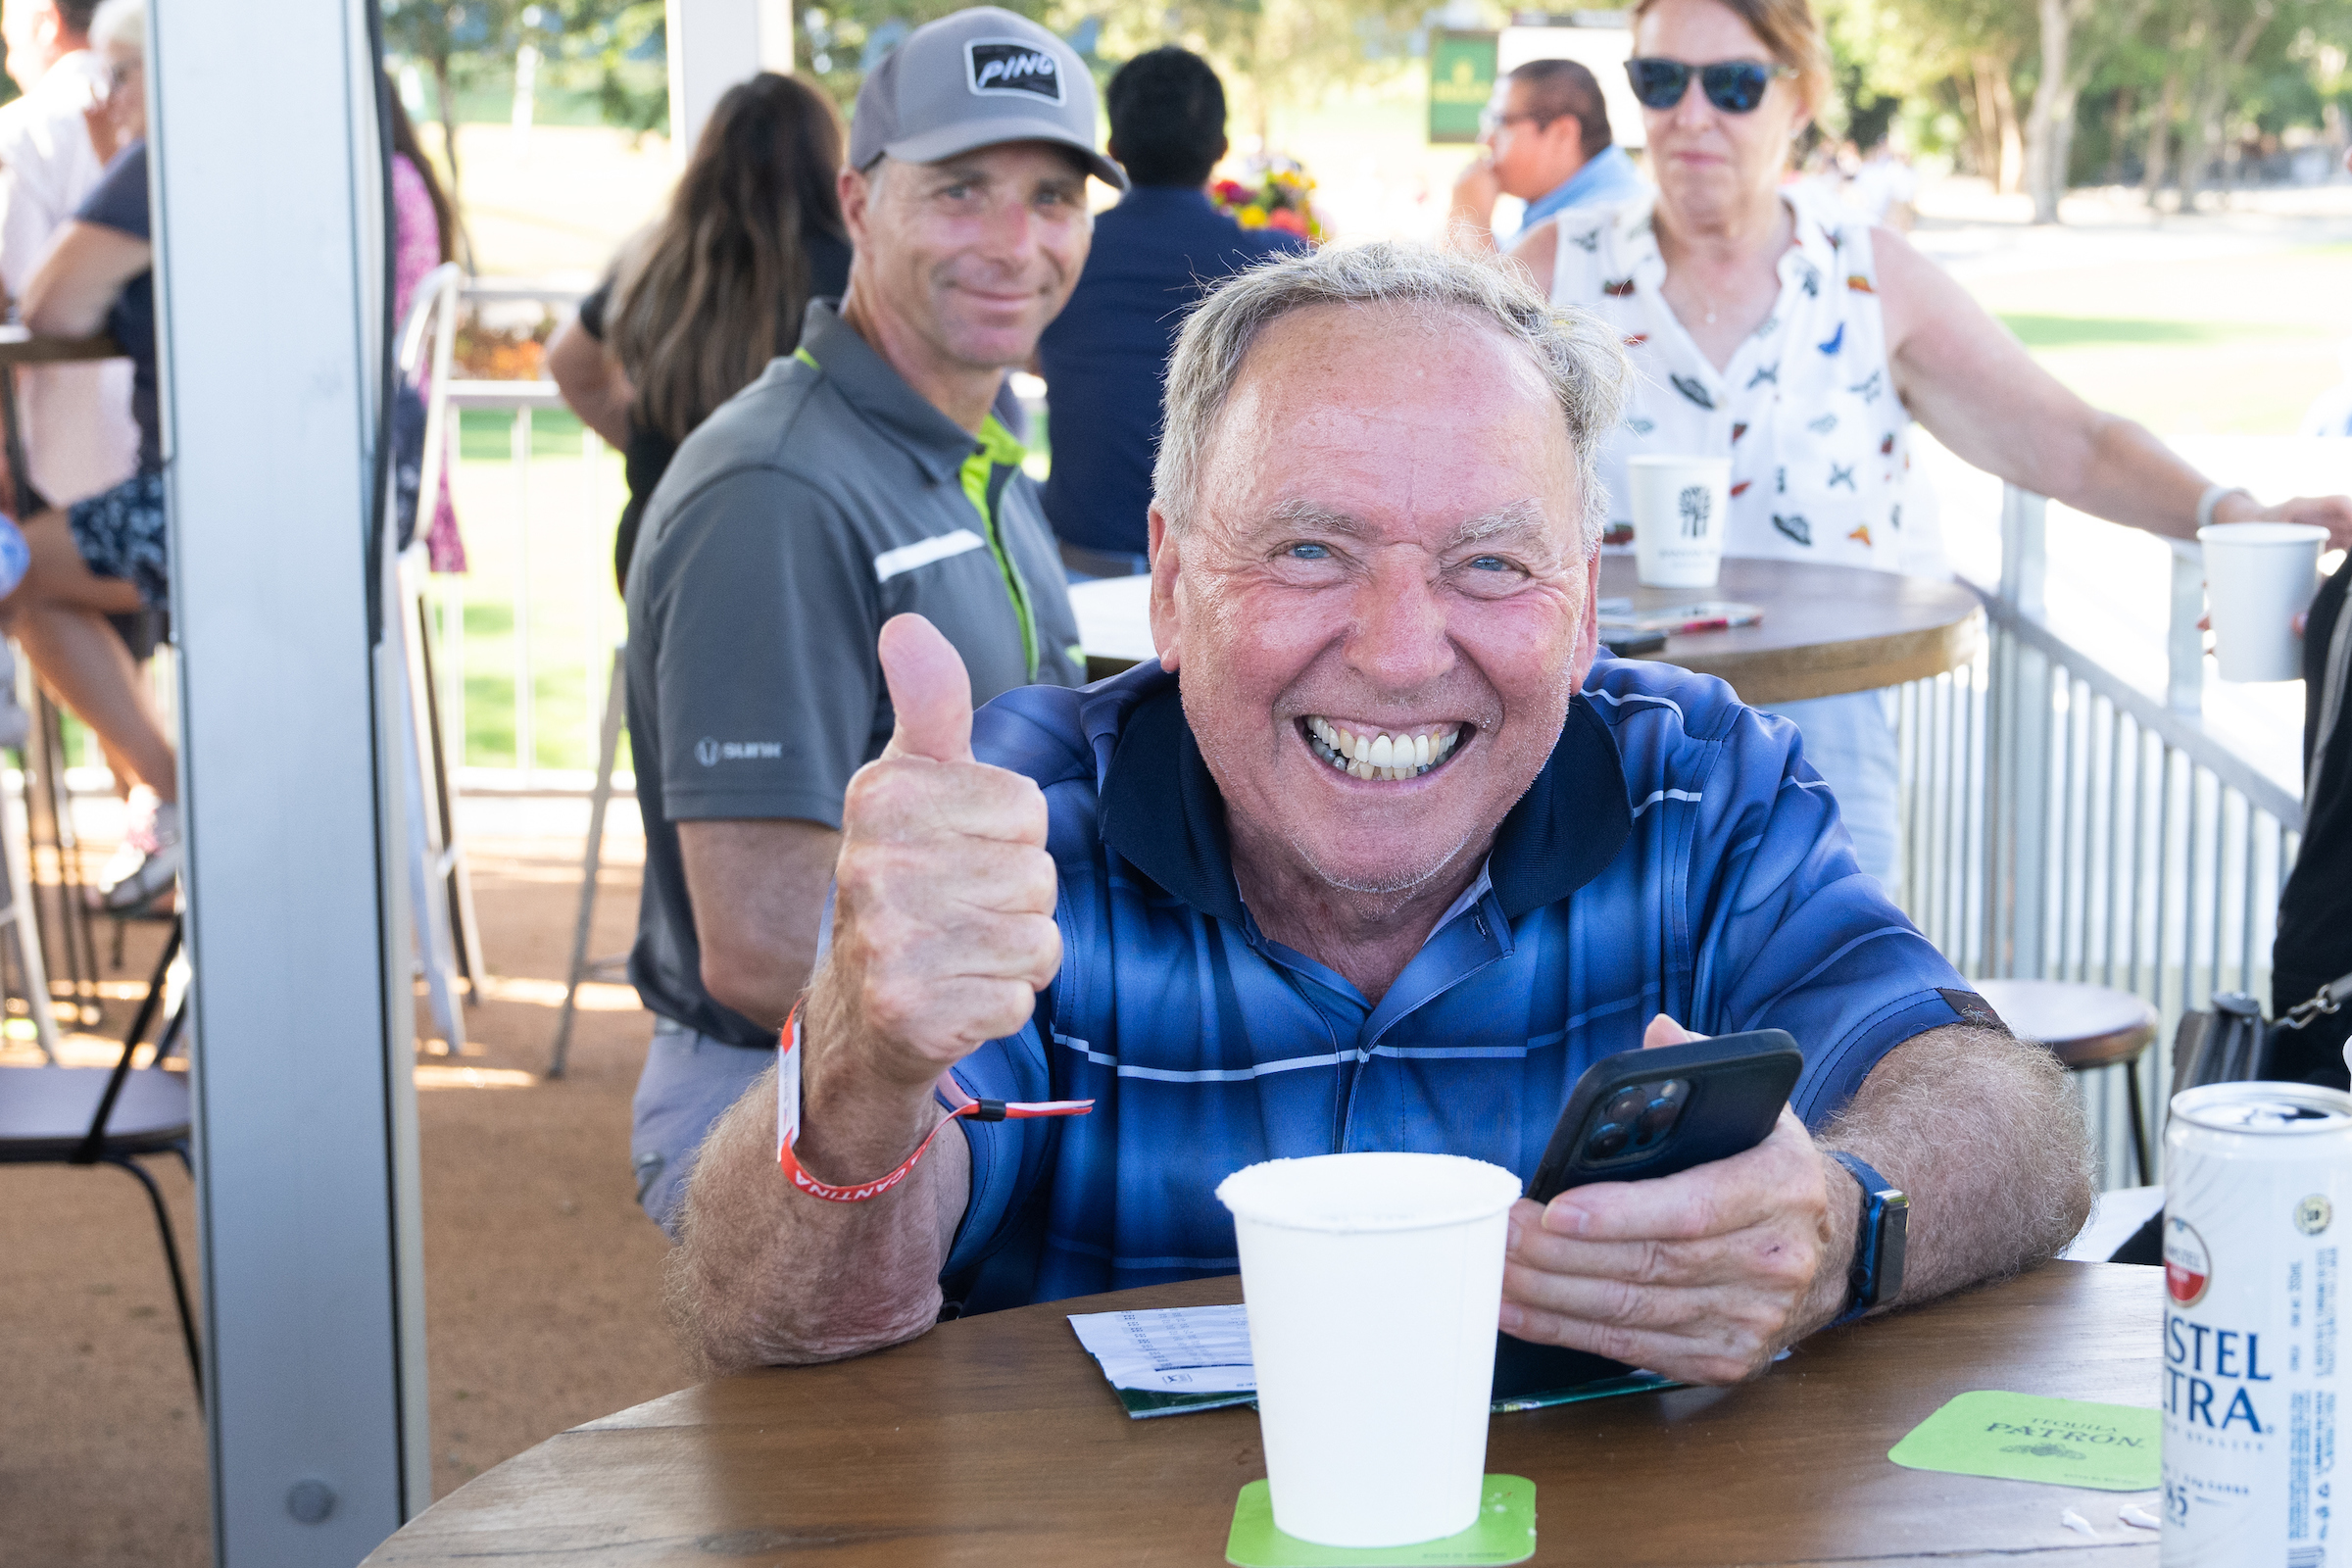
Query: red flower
[1286,221]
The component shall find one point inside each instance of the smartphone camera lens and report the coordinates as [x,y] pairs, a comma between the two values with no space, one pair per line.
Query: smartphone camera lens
[1658,1117]
[1626,1102]
[1608,1140]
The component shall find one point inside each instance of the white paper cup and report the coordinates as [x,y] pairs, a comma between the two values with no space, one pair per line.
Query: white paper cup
[1374,1282]
[2257,577]
[1681,506]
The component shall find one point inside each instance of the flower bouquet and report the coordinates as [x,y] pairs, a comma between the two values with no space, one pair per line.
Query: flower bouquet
[1277,194]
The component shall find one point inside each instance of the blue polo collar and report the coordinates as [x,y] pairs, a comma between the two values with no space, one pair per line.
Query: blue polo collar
[1607,176]
[1169,821]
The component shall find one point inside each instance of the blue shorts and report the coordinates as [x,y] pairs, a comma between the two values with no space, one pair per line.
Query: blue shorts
[689,1081]
[120,533]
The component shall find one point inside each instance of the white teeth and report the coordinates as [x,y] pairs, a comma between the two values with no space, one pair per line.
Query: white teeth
[1391,758]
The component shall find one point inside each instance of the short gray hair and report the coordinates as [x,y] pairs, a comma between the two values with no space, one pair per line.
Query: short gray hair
[1580,358]
[121,25]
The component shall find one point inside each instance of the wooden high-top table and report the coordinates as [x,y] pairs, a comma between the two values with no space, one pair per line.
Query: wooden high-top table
[996,1440]
[1827,630]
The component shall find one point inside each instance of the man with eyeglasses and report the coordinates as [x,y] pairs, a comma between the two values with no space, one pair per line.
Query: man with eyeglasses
[1548,142]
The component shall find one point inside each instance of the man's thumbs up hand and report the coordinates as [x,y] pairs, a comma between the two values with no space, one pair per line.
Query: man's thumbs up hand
[930,690]
[944,929]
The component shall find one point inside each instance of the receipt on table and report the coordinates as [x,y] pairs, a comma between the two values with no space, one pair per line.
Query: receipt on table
[1192,1349]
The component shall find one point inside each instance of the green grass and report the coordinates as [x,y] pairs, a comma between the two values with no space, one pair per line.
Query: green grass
[2039,332]
[2236,344]
[486,435]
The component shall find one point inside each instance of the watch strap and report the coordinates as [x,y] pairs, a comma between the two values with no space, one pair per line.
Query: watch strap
[1875,1276]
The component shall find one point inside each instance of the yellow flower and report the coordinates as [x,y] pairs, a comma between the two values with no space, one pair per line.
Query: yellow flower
[1251,216]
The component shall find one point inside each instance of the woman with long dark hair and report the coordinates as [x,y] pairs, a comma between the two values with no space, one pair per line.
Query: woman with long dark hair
[699,303]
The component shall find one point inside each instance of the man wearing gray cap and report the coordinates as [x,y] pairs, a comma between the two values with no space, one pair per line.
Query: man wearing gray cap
[859,479]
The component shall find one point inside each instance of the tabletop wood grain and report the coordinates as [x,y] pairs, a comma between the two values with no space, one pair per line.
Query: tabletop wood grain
[1826,630]
[996,1440]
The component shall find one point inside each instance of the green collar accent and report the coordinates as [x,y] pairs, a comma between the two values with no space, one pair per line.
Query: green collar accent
[999,444]
[998,453]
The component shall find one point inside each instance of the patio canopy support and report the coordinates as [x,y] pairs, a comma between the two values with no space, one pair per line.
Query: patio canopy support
[714,45]
[269,222]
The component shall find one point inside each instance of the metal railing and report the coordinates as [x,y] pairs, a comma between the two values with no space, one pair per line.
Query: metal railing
[2061,823]
[540,547]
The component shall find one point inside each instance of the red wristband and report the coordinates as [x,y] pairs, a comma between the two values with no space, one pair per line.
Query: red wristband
[787,1121]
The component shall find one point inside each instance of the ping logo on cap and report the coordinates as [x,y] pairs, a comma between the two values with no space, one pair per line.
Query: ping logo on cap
[1008,64]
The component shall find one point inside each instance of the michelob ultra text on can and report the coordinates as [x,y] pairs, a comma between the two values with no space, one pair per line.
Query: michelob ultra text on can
[2258,1180]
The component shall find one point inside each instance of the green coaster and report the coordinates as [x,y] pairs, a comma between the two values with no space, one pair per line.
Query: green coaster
[2024,1437]
[1506,1533]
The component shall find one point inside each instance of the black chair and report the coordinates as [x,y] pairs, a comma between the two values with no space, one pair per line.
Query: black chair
[111,1116]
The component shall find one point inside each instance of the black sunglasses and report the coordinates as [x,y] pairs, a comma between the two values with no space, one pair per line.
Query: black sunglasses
[1734,86]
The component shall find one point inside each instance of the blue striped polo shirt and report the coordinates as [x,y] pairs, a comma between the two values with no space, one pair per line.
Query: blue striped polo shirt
[1677,853]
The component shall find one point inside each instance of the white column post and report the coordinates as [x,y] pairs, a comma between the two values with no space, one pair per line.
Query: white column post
[714,45]
[268,283]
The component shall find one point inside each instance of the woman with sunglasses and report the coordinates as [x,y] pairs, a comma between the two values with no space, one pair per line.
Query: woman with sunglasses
[1767,322]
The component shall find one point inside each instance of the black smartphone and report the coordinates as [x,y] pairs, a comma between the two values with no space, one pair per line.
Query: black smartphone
[1644,1113]
[1640,1114]
[1627,642]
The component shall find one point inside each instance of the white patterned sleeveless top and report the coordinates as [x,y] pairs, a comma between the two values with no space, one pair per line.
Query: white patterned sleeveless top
[1819,443]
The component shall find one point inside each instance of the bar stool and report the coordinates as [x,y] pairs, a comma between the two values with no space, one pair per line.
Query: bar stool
[2085,1026]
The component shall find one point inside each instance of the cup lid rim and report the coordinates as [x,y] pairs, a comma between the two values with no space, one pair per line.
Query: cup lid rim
[1463,1206]
[2261,531]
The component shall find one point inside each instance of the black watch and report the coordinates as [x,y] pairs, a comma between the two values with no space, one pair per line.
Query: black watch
[1876,1276]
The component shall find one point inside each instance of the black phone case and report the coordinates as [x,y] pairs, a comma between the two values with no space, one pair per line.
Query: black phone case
[1739,1083]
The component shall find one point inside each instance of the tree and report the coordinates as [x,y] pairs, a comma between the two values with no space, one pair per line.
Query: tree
[614,49]
[2070,54]
[453,39]
[2230,29]
[1280,54]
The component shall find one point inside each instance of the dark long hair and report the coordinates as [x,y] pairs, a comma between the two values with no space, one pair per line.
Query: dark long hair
[404,142]
[717,290]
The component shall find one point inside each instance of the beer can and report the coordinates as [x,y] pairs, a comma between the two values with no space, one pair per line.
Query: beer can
[2256,1177]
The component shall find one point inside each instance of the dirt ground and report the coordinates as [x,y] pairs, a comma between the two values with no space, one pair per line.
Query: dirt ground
[542,1276]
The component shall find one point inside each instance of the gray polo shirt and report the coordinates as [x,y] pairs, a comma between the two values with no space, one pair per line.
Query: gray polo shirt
[820,501]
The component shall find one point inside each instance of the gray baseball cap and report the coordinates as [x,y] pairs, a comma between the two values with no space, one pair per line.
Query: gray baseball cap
[974,79]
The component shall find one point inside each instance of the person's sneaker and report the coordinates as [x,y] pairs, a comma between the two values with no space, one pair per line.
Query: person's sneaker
[145,865]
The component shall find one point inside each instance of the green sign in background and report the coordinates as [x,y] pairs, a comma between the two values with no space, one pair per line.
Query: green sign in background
[1461,79]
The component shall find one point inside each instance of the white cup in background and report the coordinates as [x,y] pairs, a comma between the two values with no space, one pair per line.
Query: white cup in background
[2258,575]
[1374,1282]
[1681,506]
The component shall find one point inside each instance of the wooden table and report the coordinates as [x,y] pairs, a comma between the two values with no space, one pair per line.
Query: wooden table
[1826,629]
[996,1440]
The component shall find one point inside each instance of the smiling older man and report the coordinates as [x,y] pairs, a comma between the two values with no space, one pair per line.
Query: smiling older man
[1375,857]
